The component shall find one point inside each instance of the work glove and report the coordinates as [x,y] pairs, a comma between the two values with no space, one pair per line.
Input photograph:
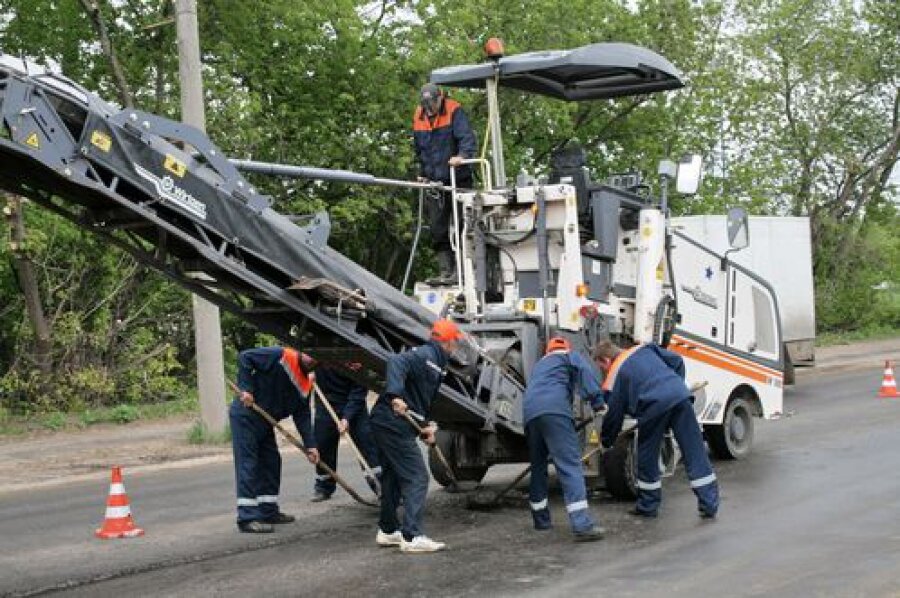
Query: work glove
[398,405]
[428,434]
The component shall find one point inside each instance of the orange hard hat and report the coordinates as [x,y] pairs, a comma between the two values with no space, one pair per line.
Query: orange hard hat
[444,331]
[558,343]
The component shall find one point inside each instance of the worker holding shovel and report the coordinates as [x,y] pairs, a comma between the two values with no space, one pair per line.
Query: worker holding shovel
[413,381]
[273,379]
[342,410]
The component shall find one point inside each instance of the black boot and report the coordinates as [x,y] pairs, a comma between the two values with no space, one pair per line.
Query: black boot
[447,264]
[255,527]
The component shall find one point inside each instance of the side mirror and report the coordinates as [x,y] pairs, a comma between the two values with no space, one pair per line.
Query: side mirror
[738,228]
[690,169]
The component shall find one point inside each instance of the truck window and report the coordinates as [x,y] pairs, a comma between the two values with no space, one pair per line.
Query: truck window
[764,322]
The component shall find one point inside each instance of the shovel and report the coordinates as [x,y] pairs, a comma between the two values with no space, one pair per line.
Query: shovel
[487,500]
[411,416]
[299,444]
[367,470]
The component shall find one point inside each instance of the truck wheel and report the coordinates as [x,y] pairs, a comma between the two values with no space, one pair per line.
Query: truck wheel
[619,467]
[446,441]
[734,438]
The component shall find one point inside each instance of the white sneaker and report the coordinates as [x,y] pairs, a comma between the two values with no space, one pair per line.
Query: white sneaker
[421,544]
[383,539]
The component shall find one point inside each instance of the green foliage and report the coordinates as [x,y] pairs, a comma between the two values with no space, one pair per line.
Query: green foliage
[865,297]
[55,420]
[199,434]
[793,103]
[122,414]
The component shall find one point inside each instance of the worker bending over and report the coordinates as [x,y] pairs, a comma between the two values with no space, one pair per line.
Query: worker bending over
[273,378]
[550,432]
[348,399]
[413,381]
[647,383]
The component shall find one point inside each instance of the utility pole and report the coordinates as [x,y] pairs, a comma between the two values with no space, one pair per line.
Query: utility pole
[207,326]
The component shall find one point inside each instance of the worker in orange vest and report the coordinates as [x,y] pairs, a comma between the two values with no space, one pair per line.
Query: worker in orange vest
[274,378]
[647,383]
[443,138]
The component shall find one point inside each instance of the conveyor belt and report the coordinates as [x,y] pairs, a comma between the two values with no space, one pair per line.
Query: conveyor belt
[163,192]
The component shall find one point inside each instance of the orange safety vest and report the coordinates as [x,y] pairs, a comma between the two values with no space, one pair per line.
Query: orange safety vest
[421,121]
[610,379]
[290,361]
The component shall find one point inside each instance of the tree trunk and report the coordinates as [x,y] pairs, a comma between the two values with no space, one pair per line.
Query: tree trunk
[100,28]
[28,283]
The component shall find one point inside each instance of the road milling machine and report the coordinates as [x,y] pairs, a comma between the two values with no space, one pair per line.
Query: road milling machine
[536,257]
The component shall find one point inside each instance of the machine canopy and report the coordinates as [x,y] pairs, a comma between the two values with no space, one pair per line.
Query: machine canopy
[592,72]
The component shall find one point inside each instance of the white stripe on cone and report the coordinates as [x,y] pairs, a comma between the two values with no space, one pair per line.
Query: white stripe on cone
[118,512]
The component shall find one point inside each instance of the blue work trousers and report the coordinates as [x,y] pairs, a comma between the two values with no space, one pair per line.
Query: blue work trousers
[403,474]
[683,423]
[554,437]
[257,464]
[327,438]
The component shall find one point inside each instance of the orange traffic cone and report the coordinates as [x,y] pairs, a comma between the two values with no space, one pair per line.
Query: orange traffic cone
[889,385]
[118,522]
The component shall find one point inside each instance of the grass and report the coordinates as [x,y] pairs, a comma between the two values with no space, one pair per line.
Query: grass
[827,339]
[13,424]
[198,434]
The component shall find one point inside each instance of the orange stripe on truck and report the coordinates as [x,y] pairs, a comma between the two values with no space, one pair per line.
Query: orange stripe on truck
[725,354]
[723,360]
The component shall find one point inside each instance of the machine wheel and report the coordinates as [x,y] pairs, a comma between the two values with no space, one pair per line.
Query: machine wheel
[446,441]
[734,438]
[620,467]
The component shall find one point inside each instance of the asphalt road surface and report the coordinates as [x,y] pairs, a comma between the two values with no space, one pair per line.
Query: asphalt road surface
[815,510]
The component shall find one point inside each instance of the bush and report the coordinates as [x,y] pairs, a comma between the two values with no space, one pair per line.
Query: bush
[859,292]
[55,421]
[123,414]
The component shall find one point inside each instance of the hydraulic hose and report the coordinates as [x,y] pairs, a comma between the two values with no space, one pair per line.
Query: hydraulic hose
[415,244]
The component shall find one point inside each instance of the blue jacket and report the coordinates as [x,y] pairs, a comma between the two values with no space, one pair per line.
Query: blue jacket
[643,383]
[554,379]
[346,396]
[264,373]
[437,140]
[415,376]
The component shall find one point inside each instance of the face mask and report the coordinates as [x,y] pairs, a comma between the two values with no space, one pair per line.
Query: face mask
[431,104]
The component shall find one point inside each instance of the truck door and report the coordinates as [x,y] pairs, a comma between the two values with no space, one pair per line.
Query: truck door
[751,316]
[700,288]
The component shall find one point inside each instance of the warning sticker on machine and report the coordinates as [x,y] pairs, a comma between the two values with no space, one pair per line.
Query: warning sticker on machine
[101,141]
[33,141]
[175,166]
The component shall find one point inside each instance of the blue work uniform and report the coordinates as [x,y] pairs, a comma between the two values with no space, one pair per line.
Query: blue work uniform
[436,140]
[647,383]
[348,399]
[550,432]
[273,376]
[414,376]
